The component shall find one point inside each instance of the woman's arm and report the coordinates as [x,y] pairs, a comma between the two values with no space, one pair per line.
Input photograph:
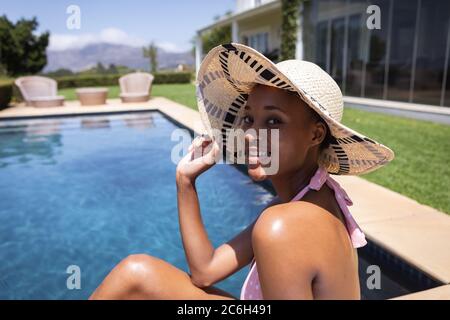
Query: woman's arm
[208,265]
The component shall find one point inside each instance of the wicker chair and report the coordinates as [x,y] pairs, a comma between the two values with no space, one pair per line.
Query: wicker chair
[39,91]
[135,87]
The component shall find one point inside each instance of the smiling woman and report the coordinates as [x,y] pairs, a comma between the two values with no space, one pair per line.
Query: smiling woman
[306,229]
[94,206]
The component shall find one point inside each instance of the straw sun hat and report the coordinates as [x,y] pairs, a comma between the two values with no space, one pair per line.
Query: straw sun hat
[227,75]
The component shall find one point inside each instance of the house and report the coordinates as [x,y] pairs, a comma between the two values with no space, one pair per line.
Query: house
[406,59]
[254,23]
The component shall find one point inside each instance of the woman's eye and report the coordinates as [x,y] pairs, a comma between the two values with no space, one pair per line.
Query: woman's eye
[273,121]
[247,119]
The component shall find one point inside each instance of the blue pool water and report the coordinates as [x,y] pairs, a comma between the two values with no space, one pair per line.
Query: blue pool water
[88,191]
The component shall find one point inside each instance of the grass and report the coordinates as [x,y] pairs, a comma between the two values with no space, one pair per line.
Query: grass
[420,169]
[181,93]
[5,80]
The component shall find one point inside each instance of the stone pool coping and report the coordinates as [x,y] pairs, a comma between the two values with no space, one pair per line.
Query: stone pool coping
[417,233]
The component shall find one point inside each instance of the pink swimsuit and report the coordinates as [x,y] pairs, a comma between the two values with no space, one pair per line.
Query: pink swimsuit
[251,289]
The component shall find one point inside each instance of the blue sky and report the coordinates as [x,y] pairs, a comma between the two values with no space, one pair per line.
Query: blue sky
[170,23]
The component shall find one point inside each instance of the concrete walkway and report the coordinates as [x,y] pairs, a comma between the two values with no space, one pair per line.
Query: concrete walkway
[402,109]
[439,293]
[417,233]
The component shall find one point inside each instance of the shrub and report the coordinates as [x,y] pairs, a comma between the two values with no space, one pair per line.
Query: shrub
[172,77]
[113,79]
[6,89]
[87,81]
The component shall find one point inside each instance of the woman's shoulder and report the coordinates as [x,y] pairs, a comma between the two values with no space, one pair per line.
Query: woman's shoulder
[285,228]
[299,231]
[295,219]
[298,211]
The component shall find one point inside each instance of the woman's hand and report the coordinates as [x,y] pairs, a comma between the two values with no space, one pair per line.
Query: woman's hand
[202,155]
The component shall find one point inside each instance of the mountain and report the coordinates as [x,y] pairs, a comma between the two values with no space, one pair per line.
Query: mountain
[84,58]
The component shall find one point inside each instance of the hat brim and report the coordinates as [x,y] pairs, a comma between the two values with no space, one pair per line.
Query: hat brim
[227,75]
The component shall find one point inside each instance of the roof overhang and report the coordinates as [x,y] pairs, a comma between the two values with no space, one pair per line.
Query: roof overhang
[267,7]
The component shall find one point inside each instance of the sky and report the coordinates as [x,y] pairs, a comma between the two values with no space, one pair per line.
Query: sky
[171,24]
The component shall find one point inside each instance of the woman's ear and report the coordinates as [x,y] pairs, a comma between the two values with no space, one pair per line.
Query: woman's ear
[319,133]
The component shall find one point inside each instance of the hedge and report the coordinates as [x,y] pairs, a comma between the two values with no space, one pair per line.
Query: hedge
[173,77]
[6,91]
[113,79]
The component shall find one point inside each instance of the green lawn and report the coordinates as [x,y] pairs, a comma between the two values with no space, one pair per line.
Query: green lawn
[420,169]
[5,80]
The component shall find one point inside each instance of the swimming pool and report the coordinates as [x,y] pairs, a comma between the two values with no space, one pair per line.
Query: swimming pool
[90,190]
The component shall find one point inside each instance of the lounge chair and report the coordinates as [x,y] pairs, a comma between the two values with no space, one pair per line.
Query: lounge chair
[39,91]
[135,87]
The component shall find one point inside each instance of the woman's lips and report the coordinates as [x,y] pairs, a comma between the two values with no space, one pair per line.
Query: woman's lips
[256,168]
[257,157]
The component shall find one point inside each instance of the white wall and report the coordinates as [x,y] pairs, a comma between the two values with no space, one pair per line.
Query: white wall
[242,5]
[268,22]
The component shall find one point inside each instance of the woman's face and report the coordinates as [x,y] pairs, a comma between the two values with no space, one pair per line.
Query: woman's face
[300,133]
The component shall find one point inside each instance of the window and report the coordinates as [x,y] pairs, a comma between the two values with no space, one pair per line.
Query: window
[376,59]
[259,41]
[401,50]
[433,34]
[408,59]
[355,57]
[337,50]
[321,45]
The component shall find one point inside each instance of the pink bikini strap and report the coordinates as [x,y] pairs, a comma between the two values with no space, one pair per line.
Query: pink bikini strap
[319,178]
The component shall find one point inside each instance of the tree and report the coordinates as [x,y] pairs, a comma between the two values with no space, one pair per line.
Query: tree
[21,51]
[112,69]
[216,36]
[289,27]
[100,68]
[151,52]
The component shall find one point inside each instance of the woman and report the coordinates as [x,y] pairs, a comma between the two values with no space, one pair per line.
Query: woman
[303,245]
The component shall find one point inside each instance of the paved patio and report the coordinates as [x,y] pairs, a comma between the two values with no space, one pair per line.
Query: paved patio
[417,233]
